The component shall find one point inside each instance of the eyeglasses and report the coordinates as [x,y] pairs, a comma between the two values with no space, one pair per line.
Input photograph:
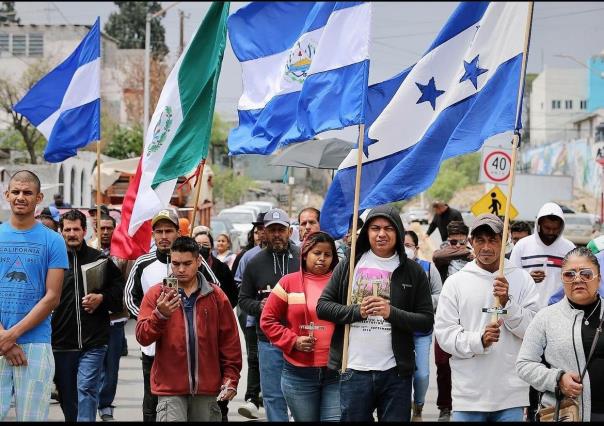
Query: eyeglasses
[456,242]
[410,245]
[586,275]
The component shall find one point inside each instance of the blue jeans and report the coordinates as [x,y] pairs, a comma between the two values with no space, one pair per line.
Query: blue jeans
[77,375]
[361,392]
[109,373]
[312,393]
[270,359]
[515,414]
[421,378]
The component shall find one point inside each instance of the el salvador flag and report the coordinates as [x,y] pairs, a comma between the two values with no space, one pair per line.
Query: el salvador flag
[304,68]
[65,105]
[461,92]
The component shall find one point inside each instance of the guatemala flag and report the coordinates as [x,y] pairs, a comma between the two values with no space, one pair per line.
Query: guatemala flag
[65,105]
[304,70]
[461,92]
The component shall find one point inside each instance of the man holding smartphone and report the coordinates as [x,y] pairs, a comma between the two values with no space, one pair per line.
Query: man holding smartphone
[194,327]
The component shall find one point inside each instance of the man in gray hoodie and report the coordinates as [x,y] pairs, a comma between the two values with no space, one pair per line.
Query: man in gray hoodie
[391,300]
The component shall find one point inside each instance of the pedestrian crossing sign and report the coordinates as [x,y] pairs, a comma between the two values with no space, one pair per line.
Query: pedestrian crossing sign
[494,201]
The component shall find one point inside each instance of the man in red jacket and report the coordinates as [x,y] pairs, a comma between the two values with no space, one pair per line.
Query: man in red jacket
[193,327]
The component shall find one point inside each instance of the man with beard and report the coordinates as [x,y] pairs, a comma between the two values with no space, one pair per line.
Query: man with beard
[486,387]
[541,255]
[148,270]
[80,324]
[261,274]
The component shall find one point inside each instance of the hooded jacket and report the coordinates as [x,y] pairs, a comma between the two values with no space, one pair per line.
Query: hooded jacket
[532,254]
[410,299]
[72,327]
[484,379]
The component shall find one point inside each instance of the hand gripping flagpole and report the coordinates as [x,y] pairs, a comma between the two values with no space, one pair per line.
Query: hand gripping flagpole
[199,174]
[497,309]
[353,243]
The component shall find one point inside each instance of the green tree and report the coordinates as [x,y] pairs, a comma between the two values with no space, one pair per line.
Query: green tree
[218,138]
[127,26]
[455,174]
[8,14]
[230,187]
[125,143]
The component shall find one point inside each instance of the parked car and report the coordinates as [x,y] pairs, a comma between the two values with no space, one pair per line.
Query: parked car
[255,209]
[222,225]
[420,215]
[264,205]
[241,219]
[580,228]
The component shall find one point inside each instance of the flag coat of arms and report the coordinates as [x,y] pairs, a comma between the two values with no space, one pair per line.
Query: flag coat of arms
[65,105]
[461,92]
[304,70]
[179,132]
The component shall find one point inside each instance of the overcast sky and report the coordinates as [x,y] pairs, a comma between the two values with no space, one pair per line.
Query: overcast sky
[400,34]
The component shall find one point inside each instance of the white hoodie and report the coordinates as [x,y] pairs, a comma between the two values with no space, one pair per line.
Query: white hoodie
[531,254]
[484,379]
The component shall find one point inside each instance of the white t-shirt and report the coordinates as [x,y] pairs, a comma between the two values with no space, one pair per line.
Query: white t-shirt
[370,346]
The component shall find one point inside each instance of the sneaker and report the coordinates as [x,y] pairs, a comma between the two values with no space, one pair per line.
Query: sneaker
[107,418]
[417,412]
[445,415]
[248,410]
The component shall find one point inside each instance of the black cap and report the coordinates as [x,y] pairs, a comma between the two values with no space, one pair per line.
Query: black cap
[259,219]
[104,210]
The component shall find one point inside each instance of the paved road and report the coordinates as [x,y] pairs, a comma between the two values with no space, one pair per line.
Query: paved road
[130,389]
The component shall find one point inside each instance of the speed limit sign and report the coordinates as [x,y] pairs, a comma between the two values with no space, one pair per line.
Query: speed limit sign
[496,165]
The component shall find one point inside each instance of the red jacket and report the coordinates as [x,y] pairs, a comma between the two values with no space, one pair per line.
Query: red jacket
[218,349]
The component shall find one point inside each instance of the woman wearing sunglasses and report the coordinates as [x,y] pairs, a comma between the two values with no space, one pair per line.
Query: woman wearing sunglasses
[564,333]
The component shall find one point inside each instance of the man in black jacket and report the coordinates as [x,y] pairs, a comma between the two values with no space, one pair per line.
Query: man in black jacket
[261,274]
[390,301]
[443,214]
[80,324]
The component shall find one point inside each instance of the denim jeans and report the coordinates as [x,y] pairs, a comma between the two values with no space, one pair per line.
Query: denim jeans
[252,391]
[109,373]
[421,378]
[270,359]
[77,375]
[312,393]
[515,414]
[361,392]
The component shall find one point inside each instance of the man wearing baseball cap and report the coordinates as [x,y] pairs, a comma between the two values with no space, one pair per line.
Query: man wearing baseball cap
[261,274]
[485,385]
[148,270]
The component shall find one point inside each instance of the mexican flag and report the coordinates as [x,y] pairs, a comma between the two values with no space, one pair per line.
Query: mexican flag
[178,136]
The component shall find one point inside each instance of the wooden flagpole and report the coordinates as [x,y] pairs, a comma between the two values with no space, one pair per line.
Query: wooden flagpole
[353,243]
[197,191]
[98,194]
[515,143]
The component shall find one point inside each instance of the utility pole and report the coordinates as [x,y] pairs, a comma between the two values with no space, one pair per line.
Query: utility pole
[181,20]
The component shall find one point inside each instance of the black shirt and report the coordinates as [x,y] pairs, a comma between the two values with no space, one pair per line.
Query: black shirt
[595,369]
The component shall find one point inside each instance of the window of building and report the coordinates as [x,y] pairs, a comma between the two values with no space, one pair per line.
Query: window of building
[4,46]
[19,45]
[36,44]
[583,104]
[556,104]
[568,104]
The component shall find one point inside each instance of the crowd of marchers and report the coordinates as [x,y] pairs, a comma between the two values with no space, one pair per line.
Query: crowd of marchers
[328,336]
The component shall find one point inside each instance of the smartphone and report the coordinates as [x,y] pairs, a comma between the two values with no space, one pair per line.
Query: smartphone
[171,283]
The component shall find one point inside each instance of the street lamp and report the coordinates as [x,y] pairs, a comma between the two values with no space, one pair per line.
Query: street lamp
[146,96]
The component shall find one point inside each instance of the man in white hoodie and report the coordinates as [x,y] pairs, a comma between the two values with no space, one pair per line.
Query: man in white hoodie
[485,386]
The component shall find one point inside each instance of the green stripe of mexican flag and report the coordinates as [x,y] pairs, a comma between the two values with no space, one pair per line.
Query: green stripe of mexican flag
[178,136]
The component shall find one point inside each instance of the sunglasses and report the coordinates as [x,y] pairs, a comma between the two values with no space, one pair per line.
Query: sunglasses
[586,275]
[456,242]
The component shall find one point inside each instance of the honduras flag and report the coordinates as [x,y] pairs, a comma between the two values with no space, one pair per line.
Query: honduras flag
[461,92]
[65,105]
[304,70]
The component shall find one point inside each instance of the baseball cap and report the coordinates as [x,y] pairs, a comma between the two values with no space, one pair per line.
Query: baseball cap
[104,210]
[490,220]
[52,212]
[259,219]
[166,214]
[276,216]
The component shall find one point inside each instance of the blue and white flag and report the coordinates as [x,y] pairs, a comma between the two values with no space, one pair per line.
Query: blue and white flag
[461,92]
[304,70]
[65,105]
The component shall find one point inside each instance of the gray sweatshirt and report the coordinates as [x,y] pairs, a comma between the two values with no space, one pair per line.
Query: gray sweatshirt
[556,332]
